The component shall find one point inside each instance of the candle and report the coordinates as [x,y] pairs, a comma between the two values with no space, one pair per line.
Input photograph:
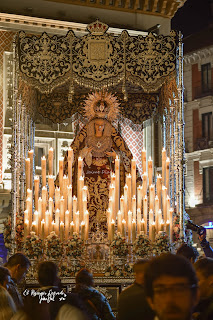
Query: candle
[112,229]
[65,185]
[72,228]
[36,221]
[69,199]
[153,230]
[67,224]
[30,156]
[61,231]
[57,198]
[112,199]
[167,174]
[26,228]
[123,228]
[51,205]
[159,188]
[86,219]
[133,175]
[53,226]
[42,229]
[134,207]
[119,222]
[138,220]
[36,185]
[44,201]
[150,170]
[156,213]
[27,173]
[144,185]
[77,222]
[57,213]
[122,206]
[125,202]
[43,171]
[83,230]
[164,194]
[50,160]
[61,174]
[144,160]
[33,228]
[142,226]
[167,206]
[29,206]
[70,161]
[139,197]
[47,221]
[80,167]
[159,220]
[51,186]
[163,165]
[151,196]
[62,209]
[145,210]
[74,207]
[168,228]
[129,194]
[133,230]
[150,223]
[129,226]
[117,183]
[39,215]
[80,199]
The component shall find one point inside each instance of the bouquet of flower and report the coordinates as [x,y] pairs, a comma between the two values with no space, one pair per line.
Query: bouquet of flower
[119,246]
[53,246]
[128,270]
[113,271]
[74,246]
[162,243]
[19,232]
[142,245]
[33,246]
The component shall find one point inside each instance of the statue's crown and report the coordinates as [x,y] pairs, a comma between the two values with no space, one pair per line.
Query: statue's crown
[97,27]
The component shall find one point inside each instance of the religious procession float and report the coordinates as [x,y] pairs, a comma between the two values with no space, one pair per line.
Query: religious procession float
[100,210]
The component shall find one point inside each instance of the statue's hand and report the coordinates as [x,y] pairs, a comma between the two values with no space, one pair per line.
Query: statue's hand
[111,154]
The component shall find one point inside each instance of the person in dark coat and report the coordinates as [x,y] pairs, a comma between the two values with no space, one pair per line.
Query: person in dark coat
[204,271]
[132,303]
[97,305]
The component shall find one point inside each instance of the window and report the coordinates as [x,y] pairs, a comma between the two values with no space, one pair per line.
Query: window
[206,77]
[207,125]
[208,184]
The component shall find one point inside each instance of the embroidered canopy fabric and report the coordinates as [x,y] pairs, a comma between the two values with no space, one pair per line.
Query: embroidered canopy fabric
[96,60]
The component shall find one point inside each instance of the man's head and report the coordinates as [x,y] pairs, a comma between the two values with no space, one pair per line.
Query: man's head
[48,274]
[171,287]
[139,269]
[204,270]
[188,252]
[84,277]
[18,265]
[4,277]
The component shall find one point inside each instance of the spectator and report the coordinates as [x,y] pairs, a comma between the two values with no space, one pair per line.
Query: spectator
[132,302]
[171,287]
[97,305]
[60,306]
[5,277]
[204,270]
[205,244]
[7,305]
[18,265]
[188,252]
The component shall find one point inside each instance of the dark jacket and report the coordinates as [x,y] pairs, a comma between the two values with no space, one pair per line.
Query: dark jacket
[132,304]
[15,294]
[96,303]
[206,248]
[204,309]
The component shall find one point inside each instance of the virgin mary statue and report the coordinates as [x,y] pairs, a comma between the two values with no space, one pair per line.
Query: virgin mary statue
[98,143]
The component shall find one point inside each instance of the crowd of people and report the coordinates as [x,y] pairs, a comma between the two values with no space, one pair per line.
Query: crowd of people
[168,287]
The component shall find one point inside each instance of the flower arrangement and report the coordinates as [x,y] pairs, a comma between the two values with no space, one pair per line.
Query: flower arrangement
[116,271]
[74,246]
[142,245]
[33,246]
[161,244]
[19,232]
[119,246]
[53,246]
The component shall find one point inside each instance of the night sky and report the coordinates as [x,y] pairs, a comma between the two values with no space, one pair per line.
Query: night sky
[194,16]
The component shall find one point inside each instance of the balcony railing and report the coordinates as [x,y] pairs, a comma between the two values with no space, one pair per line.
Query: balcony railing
[203,143]
[200,93]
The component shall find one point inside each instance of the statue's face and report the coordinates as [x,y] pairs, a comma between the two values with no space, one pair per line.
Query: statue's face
[99,127]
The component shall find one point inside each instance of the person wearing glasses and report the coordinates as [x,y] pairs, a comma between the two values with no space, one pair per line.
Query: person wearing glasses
[171,287]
